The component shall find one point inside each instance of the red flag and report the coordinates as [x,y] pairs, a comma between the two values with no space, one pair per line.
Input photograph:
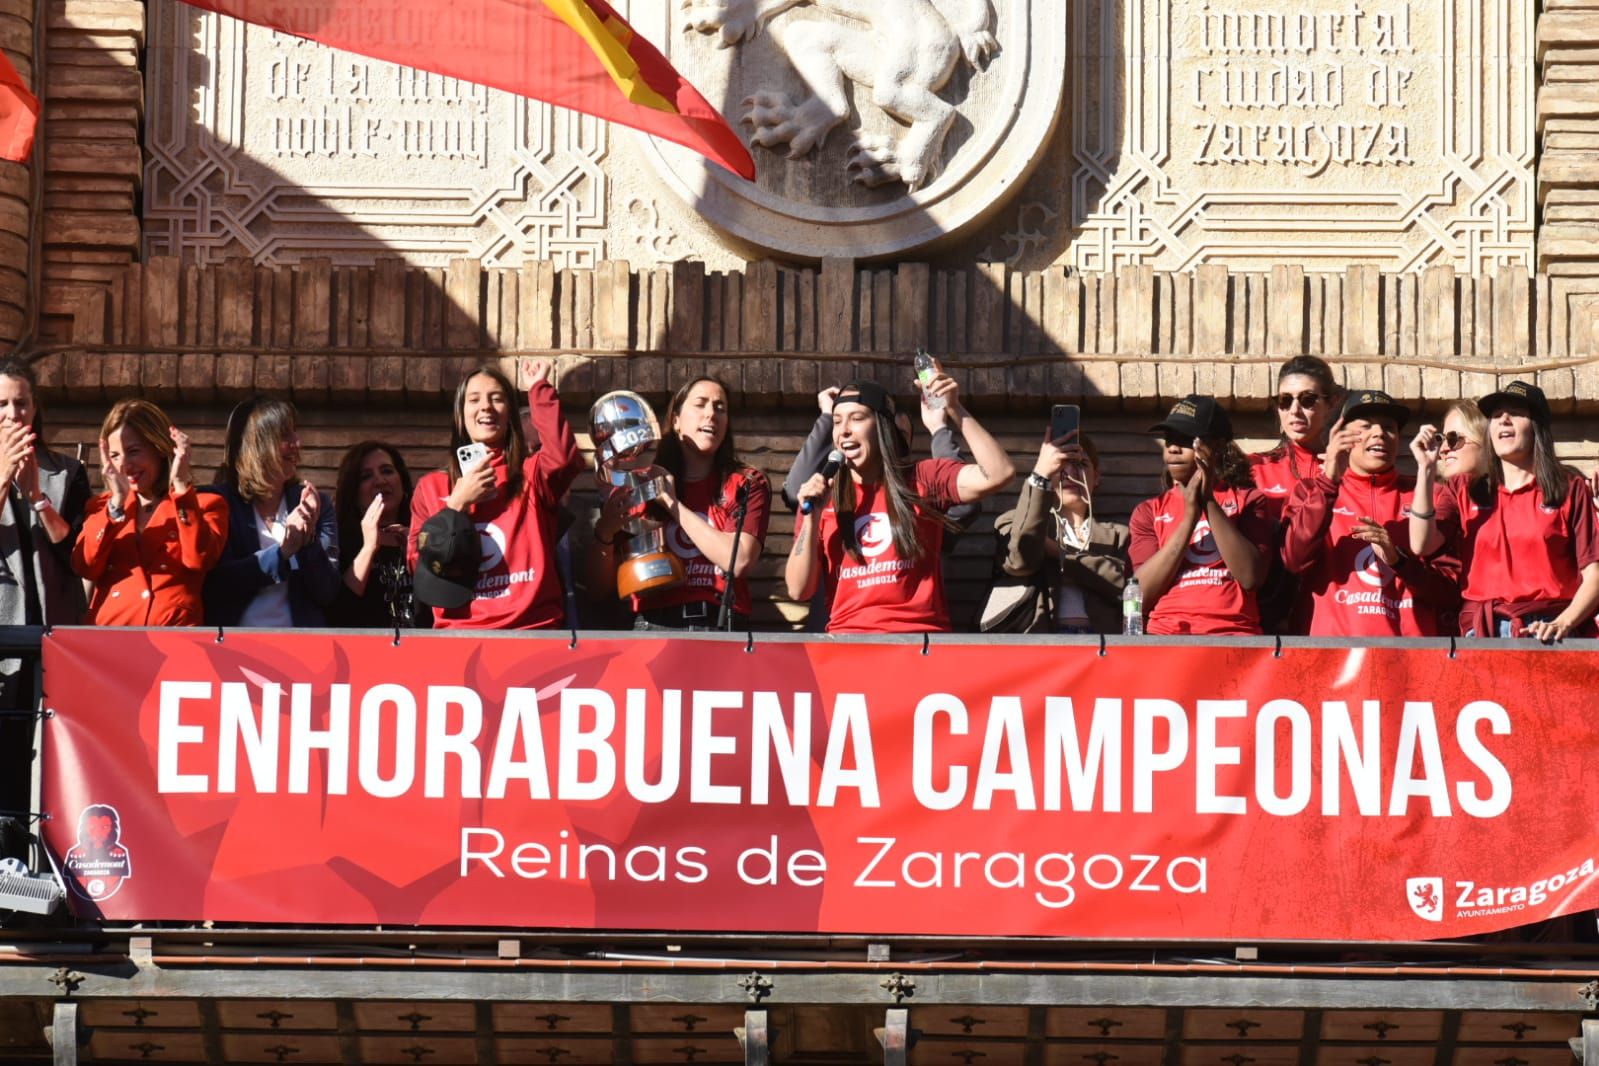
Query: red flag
[574,53]
[19,114]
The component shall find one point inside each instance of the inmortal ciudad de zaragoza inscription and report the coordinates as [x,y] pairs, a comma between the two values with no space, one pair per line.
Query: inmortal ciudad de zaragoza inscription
[1392,132]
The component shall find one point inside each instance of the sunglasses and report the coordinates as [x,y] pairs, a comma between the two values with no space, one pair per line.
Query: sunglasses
[1453,441]
[1307,400]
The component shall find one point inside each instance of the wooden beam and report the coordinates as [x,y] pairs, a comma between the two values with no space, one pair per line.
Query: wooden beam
[64,1035]
[1346,991]
[753,1038]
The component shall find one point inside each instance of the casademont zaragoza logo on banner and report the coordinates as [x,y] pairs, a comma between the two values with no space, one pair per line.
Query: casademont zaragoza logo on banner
[1213,791]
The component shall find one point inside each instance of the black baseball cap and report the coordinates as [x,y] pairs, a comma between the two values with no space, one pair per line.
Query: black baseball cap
[868,394]
[1196,416]
[449,550]
[1521,394]
[1374,402]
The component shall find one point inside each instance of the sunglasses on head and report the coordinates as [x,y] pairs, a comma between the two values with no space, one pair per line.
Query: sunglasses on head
[1307,400]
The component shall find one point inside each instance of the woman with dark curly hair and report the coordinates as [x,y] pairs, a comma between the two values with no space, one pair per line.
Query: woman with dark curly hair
[1202,547]
[372,501]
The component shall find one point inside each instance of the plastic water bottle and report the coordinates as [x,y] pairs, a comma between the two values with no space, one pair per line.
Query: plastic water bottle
[926,371]
[1132,609]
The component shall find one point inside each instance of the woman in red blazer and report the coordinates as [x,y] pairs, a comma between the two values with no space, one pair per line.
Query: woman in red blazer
[148,541]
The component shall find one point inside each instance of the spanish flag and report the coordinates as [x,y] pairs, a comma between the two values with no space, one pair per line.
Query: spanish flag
[574,53]
[19,114]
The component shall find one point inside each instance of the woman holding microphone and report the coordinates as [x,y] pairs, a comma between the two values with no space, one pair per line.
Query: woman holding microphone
[873,530]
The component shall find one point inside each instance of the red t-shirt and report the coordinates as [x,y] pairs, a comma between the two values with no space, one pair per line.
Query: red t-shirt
[518,585]
[1277,472]
[880,592]
[1203,597]
[715,502]
[1350,591]
[1514,549]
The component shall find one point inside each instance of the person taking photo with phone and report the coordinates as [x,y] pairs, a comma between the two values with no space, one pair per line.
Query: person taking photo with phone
[874,530]
[1201,548]
[1525,533]
[483,532]
[1071,563]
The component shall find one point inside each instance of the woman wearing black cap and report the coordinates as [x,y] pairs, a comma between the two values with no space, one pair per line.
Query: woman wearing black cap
[874,531]
[1526,533]
[1200,549]
[1348,536]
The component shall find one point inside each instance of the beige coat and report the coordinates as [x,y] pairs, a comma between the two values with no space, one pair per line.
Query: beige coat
[1026,544]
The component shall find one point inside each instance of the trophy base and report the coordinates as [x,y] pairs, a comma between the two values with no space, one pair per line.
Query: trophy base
[647,573]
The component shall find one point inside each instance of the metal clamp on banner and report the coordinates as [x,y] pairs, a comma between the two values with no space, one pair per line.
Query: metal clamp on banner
[396,636]
[219,634]
[1277,653]
[749,642]
[927,643]
[1102,645]
[1451,647]
[573,645]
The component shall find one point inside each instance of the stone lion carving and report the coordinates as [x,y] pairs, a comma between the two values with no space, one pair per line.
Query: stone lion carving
[904,51]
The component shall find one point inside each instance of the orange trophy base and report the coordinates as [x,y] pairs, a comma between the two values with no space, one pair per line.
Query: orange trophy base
[647,573]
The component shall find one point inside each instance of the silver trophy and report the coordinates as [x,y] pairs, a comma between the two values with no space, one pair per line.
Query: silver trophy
[626,436]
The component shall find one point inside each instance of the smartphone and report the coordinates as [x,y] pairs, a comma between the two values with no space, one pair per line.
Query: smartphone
[469,455]
[1064,420]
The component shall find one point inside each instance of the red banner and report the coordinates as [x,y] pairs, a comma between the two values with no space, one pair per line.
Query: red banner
[686,784]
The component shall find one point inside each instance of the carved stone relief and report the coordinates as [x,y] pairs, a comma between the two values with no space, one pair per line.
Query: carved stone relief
[268,146]
[878,126]
[1392,132]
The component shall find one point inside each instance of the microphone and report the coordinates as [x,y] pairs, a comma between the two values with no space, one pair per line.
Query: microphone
[829,470]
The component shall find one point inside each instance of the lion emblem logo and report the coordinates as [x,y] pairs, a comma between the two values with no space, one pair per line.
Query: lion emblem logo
[99,862]
[877,126]
[901,52]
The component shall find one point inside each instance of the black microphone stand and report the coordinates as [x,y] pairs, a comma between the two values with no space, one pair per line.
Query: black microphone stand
[741,505]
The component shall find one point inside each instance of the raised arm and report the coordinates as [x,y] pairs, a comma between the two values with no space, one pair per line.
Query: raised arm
[990,469]
[813,451]
[1425,536]
[558,461]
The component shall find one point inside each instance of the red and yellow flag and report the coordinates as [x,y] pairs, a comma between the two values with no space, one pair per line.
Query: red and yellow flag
[19,114]
[574,53]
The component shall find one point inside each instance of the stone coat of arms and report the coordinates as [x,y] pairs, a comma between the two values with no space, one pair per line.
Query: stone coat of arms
[877,126]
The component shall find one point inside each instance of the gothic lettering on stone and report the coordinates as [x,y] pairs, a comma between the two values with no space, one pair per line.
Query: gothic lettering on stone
[325,104]
[1251,132]
[1306,90]
[264,145]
